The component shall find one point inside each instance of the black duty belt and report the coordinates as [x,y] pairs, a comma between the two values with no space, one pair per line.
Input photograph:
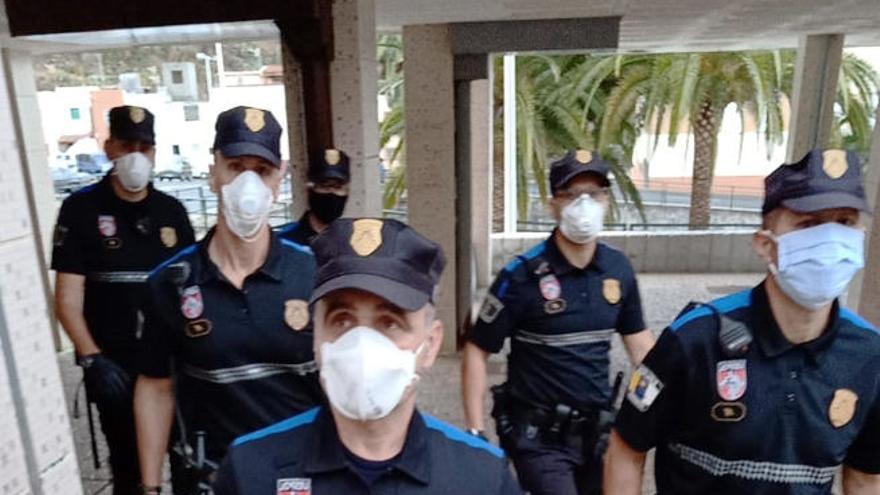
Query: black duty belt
[561,418]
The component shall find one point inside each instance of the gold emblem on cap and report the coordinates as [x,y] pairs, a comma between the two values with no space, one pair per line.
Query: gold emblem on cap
[168,236]
[834,163]
[254,119]
[583,156]
[366,236]
[843,407]
[611,290]
[137,114]
[296,314]
[331,157]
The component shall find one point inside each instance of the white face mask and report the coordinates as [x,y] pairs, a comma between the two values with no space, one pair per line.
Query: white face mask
[133,171]
[815,265]
[365,374]
[246,202]
[582,219]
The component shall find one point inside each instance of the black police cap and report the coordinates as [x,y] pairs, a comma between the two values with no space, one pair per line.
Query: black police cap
[384,257]
[247,131]
[131,123]
[330,164]
[821,180]
[575,163]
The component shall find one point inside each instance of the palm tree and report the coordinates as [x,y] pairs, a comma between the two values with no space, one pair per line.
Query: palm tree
[693,90]
[605,102]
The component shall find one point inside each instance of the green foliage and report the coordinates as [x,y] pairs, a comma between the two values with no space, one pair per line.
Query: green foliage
[103,68]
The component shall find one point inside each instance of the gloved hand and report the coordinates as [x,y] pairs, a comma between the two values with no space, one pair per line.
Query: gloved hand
[105,380]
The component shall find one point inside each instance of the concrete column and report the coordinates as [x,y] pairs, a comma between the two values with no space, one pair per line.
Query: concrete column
[430,138]
[354,105]
[864,292]
[473,195]
[815,85]
[296,130]
[35,435]
[481,178]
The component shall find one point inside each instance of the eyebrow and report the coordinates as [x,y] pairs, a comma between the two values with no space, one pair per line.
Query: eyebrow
[335,304]
[391,308]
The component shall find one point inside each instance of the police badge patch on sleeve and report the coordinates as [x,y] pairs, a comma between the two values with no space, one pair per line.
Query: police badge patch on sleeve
[643,389]
[294,486]
[491,308]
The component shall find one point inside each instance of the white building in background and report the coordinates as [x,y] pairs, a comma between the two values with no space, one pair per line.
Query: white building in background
[183,128]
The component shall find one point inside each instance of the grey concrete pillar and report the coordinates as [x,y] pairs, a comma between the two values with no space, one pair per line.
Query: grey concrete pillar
[865,290]
[430,139]
[481,178]
[473,182]
[35,436]
[296,130]
[815,84]
[353,89]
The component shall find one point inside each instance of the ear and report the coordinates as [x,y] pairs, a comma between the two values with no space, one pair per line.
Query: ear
[764,246]
[555,208]
[435,340]
[212,179]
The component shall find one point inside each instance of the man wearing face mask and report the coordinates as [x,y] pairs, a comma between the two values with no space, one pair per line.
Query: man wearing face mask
[769,390]
[375,334]
[231,313]
[560,304]
[107,238]
[329,177]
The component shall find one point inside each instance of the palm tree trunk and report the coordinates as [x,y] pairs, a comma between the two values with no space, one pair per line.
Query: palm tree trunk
[705,146]
[497,184]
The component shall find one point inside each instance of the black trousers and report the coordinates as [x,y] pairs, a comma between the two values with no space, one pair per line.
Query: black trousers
[548,466]
[117,424]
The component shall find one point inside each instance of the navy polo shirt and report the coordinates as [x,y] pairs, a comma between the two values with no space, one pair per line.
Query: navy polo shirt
[114,244]
[300,232]
[561,320]
[242,358]
[779,419]
[304,455]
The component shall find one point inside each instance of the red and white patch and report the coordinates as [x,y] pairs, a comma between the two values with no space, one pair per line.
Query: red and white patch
[732,379]
[107,225]
[191,304]
[550,287]
[294,486]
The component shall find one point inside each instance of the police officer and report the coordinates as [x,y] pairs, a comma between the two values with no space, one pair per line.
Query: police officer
[232,314]
[560,304]
[329,177]
[107,238]
[375,334]
[769,390]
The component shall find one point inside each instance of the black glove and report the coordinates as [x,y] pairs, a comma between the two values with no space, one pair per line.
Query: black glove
[105,380]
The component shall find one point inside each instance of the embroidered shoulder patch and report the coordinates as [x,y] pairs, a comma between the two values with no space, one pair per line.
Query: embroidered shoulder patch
[644,388]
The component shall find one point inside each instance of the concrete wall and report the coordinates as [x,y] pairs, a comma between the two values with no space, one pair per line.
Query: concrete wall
[36,448]
[657,252]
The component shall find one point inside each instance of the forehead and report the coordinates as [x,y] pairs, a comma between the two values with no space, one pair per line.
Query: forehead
[358,300]
[249,160]
[585,179]
[789,216]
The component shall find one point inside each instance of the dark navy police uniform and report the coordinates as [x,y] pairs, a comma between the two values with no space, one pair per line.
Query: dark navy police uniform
[300,232]
[303,455]
[560,320]
[114,244]
[242,359]
[774,418]
[779,419]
